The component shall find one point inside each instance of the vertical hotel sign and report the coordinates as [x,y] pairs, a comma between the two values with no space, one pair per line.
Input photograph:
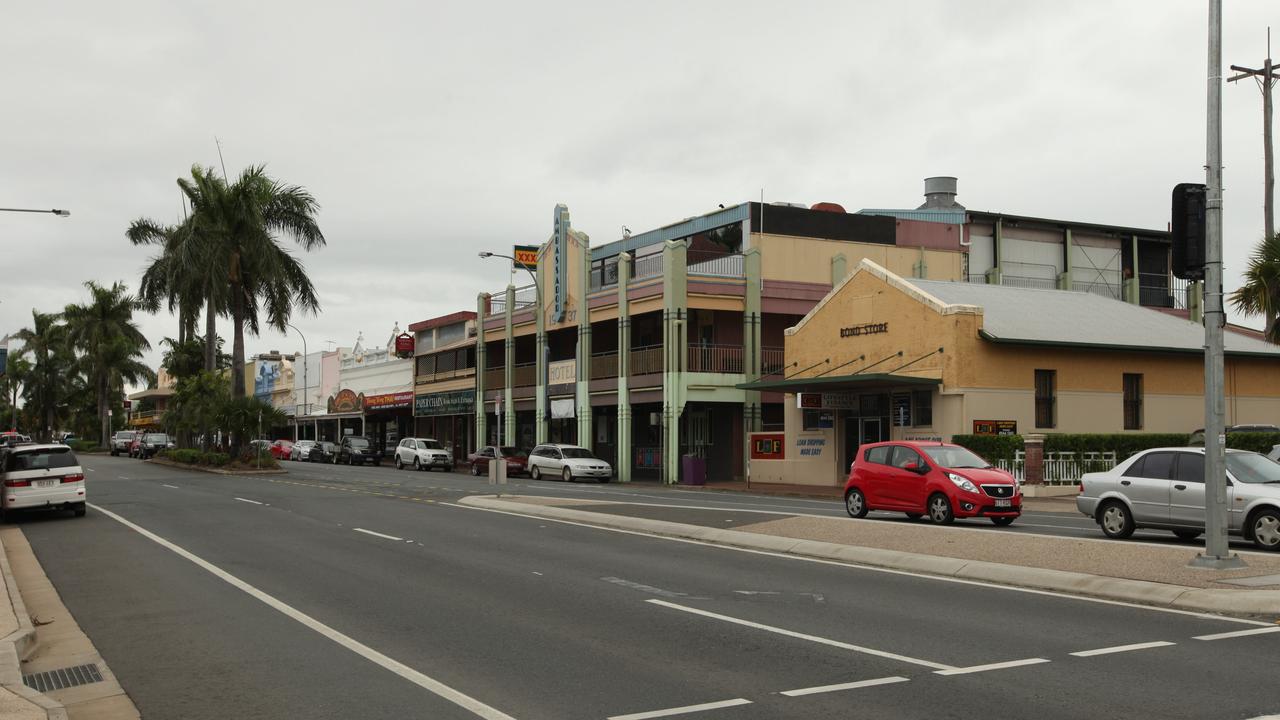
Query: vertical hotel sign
[559,258]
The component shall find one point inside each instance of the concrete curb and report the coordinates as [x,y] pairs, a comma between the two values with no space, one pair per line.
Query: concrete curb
[215,471]
[18,645]
[1232,602]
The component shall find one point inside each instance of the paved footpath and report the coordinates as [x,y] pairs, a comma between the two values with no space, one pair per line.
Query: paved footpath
[361,592]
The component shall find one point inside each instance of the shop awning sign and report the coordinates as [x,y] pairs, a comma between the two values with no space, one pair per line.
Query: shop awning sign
[388,401]
[826,401]
[457,402]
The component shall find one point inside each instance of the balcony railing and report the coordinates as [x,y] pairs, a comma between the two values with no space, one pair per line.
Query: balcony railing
[727,266]
[715,358]
[772,360]
[604,365]
[526,296]
[648,266]
[495,378]
[647,360]
[1024,281]
[1097,287]
[524,375]
[145,417]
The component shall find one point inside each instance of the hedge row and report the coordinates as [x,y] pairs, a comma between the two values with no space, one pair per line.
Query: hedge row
[84,446]
[191,456]
[1003,447]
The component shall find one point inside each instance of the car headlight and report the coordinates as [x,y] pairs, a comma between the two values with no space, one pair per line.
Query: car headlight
[962,482]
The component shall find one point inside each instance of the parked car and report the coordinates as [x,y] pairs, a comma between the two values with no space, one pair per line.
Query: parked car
[567,462]
[301,450]
[41,477]
[1196,438]
[1275,453]
[1163,488]
[259,446]
[11,438]
[356,449]
[323,451]
[280,449]
[422,454]
[153,443]
[67,438]
[121,441]
[940,480]
[517,460]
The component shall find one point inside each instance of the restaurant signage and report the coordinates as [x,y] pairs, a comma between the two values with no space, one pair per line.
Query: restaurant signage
[388,401]
[457,402]
[404,345]
[346,401]
[866,329]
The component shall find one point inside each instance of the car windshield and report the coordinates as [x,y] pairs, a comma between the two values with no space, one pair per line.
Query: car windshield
[157,437]
[576,452]
[48,458]
[512,452]
[358,442]
[954,457]
[1252,468]
[429,445]
[327,446]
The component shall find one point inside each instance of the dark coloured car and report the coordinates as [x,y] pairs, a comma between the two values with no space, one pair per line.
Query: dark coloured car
[356,450]
[323,451]
[515,458]
[939,480]
[153,443]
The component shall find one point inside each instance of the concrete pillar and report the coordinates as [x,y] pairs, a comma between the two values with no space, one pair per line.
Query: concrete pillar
[996,273]
[508,393]
[1064,277]
[1033,459]
[482,353]
[752,347]
[622,465]
[582,392]
[839,268]
[675,344]
[1132,285]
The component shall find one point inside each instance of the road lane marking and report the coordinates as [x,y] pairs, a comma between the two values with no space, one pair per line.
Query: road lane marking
[991,666]
[803,636]
[377,534]
[175,487]
[650,589]
[255,502]
[871,568]
[682,710]
[844,686]
[1122,648]
[417,678]
[1237,633]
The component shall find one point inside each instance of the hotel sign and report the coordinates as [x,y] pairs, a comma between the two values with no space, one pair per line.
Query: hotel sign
[865,329]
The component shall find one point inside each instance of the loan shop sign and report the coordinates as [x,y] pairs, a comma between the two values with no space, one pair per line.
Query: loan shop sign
[458,402]
[864,329]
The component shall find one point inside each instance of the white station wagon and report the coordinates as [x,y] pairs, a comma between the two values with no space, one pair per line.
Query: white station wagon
[568,462]
[42,477]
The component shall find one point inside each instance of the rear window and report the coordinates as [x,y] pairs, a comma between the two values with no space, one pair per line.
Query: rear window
[877,455]
[50,458]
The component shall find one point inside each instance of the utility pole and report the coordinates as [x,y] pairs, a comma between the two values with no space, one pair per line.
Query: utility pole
[1266,78]
[1217,554]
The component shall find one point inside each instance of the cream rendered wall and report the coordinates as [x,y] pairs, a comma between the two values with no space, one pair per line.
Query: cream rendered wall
[797,259]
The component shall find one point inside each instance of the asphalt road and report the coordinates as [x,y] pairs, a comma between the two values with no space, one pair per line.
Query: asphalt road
[338,592]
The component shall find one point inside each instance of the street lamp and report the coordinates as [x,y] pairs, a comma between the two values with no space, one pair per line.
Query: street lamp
[55,211]
[305,387]
[542,333]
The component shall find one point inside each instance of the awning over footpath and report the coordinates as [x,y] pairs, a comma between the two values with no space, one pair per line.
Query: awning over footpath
[867,381]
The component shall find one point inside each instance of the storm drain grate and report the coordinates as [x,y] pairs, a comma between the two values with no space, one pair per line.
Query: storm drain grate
[62,678]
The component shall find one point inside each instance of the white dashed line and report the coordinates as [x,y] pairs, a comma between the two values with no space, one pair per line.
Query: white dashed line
[682,710]
[255,502]
[377,534]
[810,638]
[844,686]
[1238,633]
[175,487]
[992,666]
[1122,648]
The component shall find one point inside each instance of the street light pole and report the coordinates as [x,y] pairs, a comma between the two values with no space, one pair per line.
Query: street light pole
[541,337]
[305,387]
[54,211]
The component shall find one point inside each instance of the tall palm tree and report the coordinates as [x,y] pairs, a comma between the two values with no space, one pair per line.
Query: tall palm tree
[1260,294]
[44,342]
[182,278]
[238,224]
[109,341]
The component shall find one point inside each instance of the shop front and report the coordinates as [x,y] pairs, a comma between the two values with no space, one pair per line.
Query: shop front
[448,417]
[388,417]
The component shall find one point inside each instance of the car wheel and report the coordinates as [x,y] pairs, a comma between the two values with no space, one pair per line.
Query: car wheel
[914,516]
[940,512]
[79,510]
[1187,535]
[1115,520]
[567,475]
[1003,521]
[475,469]
[417,465]
[855,503]
[399,462]
[1264,527]
[535,473]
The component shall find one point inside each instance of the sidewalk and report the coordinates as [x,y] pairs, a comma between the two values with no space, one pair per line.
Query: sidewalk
[17,640]
[1059,504]
[1127,571]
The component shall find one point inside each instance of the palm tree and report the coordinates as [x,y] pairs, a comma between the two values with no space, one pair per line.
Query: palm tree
[181,277]
[1260,294]
[238,225]
[44,342]
[110,343]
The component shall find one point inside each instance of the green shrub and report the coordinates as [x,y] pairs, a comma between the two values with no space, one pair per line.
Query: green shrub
[1257,442]
[990,447]
[84,446]
[192,456]
[1003,447]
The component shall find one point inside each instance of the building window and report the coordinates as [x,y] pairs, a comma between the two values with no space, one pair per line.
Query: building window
[427,365]
[922,408]
[1132,401]
[1046,398]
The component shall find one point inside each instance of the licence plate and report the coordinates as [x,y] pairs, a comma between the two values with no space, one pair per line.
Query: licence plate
[45,483]
[1004,502]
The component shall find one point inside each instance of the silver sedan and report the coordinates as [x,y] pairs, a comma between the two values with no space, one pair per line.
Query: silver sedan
[1163,488]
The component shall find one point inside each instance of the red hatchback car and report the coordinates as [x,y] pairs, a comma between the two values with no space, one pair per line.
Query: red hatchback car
[940,480]
[280,449]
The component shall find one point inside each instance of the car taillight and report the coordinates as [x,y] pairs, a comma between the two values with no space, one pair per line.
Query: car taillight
[17,483]
[77,477]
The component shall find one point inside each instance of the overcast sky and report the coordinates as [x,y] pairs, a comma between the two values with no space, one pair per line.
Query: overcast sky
[429,131]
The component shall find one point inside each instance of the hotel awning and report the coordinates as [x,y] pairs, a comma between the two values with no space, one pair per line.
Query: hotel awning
[834,383]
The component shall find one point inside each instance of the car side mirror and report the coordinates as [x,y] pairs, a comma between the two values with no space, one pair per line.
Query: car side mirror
[911,467]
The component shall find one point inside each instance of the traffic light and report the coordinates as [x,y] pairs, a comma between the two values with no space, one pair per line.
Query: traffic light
[1188,231]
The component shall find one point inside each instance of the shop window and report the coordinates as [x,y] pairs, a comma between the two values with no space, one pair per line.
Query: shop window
[922,408]
[1046,398]
[819,419]
[450,334]
[1132,401]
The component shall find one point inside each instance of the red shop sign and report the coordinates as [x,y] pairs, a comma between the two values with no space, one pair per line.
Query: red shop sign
[388,401]
[404,345]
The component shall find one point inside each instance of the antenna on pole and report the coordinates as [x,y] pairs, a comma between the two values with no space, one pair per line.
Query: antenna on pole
[218,142]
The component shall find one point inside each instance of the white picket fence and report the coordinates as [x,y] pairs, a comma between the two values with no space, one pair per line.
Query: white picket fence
[1061,468]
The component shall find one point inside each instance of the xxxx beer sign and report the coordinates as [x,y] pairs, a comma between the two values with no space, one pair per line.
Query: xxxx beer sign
[526,255]
[346,401]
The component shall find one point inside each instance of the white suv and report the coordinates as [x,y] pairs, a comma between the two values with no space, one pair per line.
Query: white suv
[41,477]
[567,462]
[422,454]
